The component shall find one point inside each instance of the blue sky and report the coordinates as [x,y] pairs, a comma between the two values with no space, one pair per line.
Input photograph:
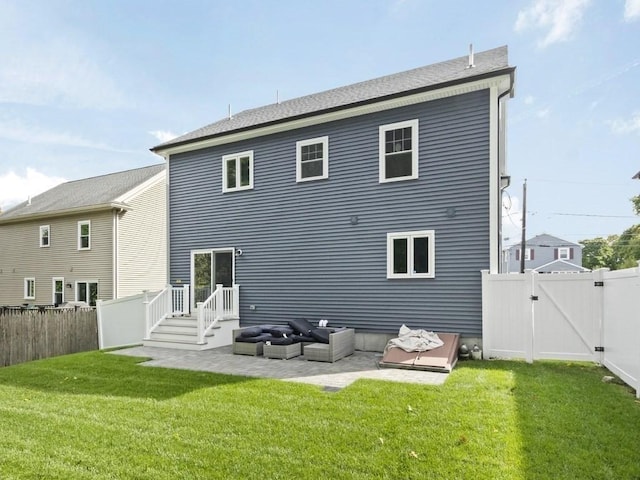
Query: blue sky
[87,87]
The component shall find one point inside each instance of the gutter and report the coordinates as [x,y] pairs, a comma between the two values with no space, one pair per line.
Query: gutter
[62,213]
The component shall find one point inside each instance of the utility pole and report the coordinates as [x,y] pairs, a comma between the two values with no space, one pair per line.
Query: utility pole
[523,242]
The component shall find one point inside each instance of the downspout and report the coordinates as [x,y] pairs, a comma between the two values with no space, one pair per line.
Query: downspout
[502,152]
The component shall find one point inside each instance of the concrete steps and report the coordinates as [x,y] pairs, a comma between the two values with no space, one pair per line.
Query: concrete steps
[182,333]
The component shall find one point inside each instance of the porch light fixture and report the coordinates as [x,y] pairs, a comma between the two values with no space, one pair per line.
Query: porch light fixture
[68,285]
[238,252]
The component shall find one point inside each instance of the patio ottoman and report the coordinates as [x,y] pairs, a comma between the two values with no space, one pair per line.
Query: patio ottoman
[283,352]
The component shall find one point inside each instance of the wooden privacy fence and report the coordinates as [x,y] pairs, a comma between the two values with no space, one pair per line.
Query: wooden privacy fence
[33,335]
[591,316]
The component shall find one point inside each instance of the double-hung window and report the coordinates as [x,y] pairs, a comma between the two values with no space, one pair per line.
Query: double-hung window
[564,253]
[237,171]
[411,254]
[312,159]
[30,288]
[84,235]
[45,235]
[399,151]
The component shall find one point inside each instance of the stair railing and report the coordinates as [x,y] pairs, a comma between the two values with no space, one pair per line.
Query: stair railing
[222,304]
[169,301]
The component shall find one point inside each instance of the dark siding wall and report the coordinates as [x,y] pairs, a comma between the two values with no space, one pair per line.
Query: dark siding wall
[303,257]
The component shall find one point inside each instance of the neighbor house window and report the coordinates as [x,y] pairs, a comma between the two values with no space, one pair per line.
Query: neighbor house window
[45,235]
[29,288]
[84,235]
[237,171]
[312,159]
[87,292]
[399,151]
[411,254]
[528,254]
[564,253]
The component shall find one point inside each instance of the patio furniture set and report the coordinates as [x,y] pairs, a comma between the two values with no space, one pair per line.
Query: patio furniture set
[298,337]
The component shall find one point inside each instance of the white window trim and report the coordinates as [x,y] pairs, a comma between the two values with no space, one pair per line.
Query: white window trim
[26,288]
[527,254]
[80,224]
[236,157]
[414,150]
[325,158]
[42,230]
[566,251]
[53,288]
[78,282]
[431,266]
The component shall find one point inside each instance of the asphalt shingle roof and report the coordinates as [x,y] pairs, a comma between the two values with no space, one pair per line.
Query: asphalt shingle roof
[403,83]
[87,192]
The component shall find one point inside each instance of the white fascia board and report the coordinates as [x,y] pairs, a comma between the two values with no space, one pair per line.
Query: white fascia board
[501,82]
[63,213]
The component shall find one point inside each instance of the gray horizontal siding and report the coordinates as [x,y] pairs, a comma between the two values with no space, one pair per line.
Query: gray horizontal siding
[302,256]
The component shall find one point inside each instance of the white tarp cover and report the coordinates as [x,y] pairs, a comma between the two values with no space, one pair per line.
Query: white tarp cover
[415,340]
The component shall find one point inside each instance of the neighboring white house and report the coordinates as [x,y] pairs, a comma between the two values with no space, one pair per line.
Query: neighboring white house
[544,254]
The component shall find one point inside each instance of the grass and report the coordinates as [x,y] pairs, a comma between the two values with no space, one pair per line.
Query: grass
[100,416]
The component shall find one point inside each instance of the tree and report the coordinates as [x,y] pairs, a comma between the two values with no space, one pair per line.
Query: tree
[636,204]
[627,247]
[599,253]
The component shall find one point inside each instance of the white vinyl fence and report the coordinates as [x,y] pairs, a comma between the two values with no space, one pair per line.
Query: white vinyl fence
[121,322]
[591,316]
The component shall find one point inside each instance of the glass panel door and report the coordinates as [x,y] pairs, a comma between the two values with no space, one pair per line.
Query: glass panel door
[201,277]
[58,291]
[223,268]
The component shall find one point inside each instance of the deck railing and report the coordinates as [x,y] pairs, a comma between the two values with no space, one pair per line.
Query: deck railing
[222,304]
[170,300]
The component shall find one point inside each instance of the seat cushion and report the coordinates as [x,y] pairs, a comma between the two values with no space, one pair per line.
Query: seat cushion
[281,331]
[321,335]
[251,332]
[263,337]
[280,341]
[302,326]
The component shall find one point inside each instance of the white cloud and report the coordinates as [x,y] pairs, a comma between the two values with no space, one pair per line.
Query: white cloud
[622,126]
[15,188]
[163,135]
[52,62]
[558,17]
[631,10]
[17,131]
[543,113]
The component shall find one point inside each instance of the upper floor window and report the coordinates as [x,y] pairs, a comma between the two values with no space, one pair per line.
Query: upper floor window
[45,235]
[312,159]
[411,254]
[84,235]
[29,288]
[528,254]
[399,151]
[564,253]
[237,171]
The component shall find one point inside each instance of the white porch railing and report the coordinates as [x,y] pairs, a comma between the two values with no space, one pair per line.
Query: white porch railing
[171,300]
[223,304]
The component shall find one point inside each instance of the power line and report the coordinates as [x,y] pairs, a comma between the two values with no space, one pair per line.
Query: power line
[592,215]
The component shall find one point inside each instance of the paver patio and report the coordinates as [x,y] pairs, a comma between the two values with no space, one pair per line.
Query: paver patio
[329,375]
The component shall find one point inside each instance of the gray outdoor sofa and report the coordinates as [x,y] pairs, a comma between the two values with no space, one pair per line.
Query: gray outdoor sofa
[318,344]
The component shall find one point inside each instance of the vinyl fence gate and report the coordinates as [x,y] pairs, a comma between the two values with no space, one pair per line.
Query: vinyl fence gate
[590,316]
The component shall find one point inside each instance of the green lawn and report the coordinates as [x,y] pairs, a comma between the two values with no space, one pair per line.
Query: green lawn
[101,416]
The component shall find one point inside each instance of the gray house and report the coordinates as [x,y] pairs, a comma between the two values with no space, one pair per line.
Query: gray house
[544,254]
[371,205]
[97,238]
